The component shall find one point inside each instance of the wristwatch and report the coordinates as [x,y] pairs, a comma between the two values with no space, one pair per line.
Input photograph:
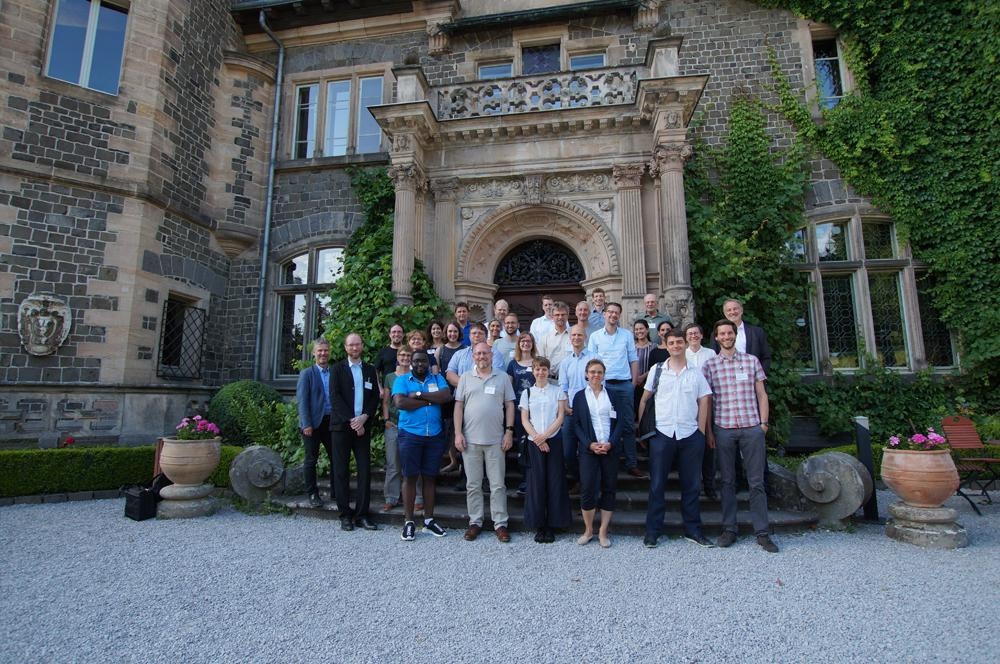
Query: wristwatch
[420,395]
[509,428]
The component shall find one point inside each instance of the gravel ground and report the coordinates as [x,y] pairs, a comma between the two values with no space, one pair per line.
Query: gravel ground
[79,582]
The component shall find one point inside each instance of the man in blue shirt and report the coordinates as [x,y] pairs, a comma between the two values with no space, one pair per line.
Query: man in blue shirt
[313,396]
[572,379]
[461,362]
[596,319]
[616,348]
[419,395]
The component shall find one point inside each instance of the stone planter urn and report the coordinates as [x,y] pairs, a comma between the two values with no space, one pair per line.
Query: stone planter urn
[188,463]
[923,479]
[920,478]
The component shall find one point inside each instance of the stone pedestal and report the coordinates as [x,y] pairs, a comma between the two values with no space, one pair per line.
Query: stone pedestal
[186,501]
[929,527]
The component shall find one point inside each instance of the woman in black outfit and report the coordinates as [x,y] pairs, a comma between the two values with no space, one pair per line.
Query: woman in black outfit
[599,429]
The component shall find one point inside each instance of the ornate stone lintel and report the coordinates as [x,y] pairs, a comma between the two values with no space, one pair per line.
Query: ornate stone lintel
[679,304]
[628,176]
[670,157]
[407,176]
[647,16]
[533,189]
[444,189]
[437,40]
[44,322]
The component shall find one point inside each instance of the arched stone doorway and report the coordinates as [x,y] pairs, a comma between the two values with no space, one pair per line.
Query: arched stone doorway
[534,268]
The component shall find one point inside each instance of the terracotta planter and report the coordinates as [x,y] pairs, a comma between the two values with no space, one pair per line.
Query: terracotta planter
[190,461]
[920,479]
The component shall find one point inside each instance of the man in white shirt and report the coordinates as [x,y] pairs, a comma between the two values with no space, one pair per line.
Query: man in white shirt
[556,345]
[541,326]
[682,398]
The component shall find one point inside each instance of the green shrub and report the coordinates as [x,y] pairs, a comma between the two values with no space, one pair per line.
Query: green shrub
[234,404]
[30,472]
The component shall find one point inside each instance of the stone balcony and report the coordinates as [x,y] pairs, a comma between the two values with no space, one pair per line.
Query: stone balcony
[577,89]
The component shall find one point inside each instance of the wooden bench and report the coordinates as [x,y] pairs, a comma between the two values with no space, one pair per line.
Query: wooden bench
[976,472]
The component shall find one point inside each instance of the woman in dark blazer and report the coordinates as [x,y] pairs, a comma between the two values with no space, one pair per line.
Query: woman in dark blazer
[599,429]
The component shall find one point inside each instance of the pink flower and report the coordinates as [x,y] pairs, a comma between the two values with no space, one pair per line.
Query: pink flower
[893,441]
[197,418]
[919,438]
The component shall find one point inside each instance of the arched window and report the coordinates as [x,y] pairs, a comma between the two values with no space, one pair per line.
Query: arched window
[301,303]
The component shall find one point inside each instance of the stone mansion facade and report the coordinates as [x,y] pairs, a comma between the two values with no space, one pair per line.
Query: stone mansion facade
[174,197]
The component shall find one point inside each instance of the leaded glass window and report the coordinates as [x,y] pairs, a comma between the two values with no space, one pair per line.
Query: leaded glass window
[938,346]
[540,59]
[302,303]
[841,321]
[831,242]
[887,319]
[877,240]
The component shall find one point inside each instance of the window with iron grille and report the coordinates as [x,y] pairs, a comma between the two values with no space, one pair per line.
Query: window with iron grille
[182,339]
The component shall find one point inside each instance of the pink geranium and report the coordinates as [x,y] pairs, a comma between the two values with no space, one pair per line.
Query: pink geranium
[931,440]
[196,428]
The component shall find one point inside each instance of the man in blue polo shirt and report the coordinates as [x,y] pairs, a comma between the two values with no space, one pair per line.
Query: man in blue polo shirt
[418,395]
[616,348]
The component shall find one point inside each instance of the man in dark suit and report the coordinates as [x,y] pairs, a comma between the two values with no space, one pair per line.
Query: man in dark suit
[313,396]
[749,338]
[354,396]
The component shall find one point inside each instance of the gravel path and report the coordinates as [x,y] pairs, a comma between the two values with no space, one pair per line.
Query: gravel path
[79,582]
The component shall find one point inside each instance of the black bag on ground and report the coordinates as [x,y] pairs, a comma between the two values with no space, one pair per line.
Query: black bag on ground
[140,502]
[647,425]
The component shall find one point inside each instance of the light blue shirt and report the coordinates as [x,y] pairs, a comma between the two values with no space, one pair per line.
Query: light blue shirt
[359,388]
[324,378]
[617,351]
[572,374]
[461,362]
[595,322]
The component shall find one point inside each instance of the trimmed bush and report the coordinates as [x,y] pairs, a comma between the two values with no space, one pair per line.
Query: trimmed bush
[30,472]
[230,404]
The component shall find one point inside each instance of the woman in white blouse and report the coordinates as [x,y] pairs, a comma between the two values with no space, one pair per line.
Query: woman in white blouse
[697,355]
[546,507]
[599,429]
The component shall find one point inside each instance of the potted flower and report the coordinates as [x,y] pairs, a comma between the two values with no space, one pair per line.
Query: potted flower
[191,455]
[919,469]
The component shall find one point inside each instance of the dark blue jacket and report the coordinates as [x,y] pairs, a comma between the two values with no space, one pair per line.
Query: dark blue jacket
[310,397]
[584,428]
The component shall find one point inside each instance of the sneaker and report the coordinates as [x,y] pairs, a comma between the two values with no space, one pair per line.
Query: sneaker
[726,539]
[315,500]
[431,526]
[767,544]
[700,540]
[409,531]
[540,536]
[650,542]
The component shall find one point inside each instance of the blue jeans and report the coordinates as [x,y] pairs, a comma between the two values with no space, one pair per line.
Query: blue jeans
[622,396]
[749,443]
[688,452]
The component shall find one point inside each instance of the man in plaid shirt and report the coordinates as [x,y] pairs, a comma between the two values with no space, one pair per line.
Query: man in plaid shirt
[740,410]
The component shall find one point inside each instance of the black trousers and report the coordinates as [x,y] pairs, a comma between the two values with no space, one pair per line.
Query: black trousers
[346,443]
[598,479]
[320,436]
[547,502]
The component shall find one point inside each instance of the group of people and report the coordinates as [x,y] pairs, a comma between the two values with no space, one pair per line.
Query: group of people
[566,399]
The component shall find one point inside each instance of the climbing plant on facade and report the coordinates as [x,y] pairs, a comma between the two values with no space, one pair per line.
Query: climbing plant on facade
[920,138]
[361,300]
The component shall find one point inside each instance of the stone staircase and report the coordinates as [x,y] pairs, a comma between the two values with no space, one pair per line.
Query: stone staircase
[630,515]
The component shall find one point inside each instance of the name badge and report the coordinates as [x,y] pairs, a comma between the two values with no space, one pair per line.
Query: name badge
[742,376]
[432,387]
[368,385]
[490,390]
[613,415]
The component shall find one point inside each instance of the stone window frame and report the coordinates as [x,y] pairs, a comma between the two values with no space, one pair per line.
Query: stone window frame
[88,47]
[809,32]
[860,268]
[539,36]
[311,290]
[321,79]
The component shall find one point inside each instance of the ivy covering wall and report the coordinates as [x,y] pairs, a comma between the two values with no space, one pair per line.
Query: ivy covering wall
[920,137]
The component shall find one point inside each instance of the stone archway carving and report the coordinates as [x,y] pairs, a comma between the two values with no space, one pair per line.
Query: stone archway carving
[514,223]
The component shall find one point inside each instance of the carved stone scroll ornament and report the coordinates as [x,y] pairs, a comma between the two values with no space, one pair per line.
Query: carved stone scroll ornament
[44,323]
[836,483]
[407,176]
[256,473]
[671,156]
[628,176]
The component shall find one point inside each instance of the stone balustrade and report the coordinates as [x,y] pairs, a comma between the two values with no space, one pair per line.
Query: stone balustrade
[577,89]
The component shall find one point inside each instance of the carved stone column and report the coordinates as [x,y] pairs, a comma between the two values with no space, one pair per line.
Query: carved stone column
[675,272]
[404,178]
[420,245]
[442,264]
[628,182]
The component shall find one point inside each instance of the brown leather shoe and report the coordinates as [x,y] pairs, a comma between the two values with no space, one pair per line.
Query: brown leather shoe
[635,472]
[472,532]
[502,533]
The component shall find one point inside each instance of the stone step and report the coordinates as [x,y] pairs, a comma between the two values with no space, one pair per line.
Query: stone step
[630,516]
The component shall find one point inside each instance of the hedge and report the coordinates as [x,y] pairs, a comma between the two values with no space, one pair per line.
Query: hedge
[29,472]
